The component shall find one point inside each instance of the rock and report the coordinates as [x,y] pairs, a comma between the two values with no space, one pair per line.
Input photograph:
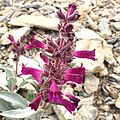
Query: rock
[106,13]
[116,25]
[8,2]
[115,76]
[104,72]
[117,103]
[112,91]
[92,24]
[86,113]
[116,69]
[35,21]
[17,33]
[3,30]
[86,101]
[105,108]
[116,116]
[116,17]
[109,116]
[104,28]
[103,52]
[87,34]
[91,84]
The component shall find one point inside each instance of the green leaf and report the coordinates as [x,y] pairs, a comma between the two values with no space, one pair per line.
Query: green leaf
[11,82]
[16,100]
[4,105]
[9,72]
[19,113]
[30,95]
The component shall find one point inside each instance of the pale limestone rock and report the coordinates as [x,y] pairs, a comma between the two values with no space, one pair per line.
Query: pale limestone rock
[117,103]
[87,34]
[35,21]
[92,24]
[116,17]
[17,33]
[87,112]
[91,84]
[3,30]
[116,25]
[105,31]
[103,52]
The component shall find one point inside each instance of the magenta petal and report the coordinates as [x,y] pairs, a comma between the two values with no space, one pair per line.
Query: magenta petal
[61,14]
[55,96]
[71,9]
[37,43]
[45,58]
[85,54]
[36,73]
[73,77]
[80,70]
[72,98]
[35,103]
[11,38]
[29,46]
[69,105]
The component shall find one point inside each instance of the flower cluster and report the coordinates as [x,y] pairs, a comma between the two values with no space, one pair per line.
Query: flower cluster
[57,55]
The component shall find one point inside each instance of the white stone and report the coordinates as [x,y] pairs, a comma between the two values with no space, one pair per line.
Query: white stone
[17,33]
[91,84]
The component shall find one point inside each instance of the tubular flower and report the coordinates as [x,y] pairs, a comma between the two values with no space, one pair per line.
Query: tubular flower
[74,74]
[11,38]
[36,73]
[70,106]
[35,103]
[34,43]
[72,98]
[85,54]
[55,96]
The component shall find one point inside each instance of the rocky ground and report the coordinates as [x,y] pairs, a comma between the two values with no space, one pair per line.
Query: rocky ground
[98,28]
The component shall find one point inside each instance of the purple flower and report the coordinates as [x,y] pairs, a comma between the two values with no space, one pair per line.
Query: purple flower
[72,14]
[34,43]
[45,58]
[55,96]
[36,73]
[72,98]
[35,103]
[89,54]
[70,106]
[11,38]
[74,75]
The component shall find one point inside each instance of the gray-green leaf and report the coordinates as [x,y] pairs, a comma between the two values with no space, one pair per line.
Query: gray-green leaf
[15,99]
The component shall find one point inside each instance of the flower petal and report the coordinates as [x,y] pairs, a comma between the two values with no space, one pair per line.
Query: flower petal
[80,71]
[85,54]
[72,98]
[32,71]
[45,58]
[37,43]
[69,105]
[35,103]
[71,9]
[73,77]
[61,14]
[11,38]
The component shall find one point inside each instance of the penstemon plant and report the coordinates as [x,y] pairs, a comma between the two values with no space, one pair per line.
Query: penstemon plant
[57,56]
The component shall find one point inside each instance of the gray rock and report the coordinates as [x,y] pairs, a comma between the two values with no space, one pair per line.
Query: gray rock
[104,28]
[116,116]
[35,21]
[17,33]
[117,103]
[86,113]
[91,84]
[87,34]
